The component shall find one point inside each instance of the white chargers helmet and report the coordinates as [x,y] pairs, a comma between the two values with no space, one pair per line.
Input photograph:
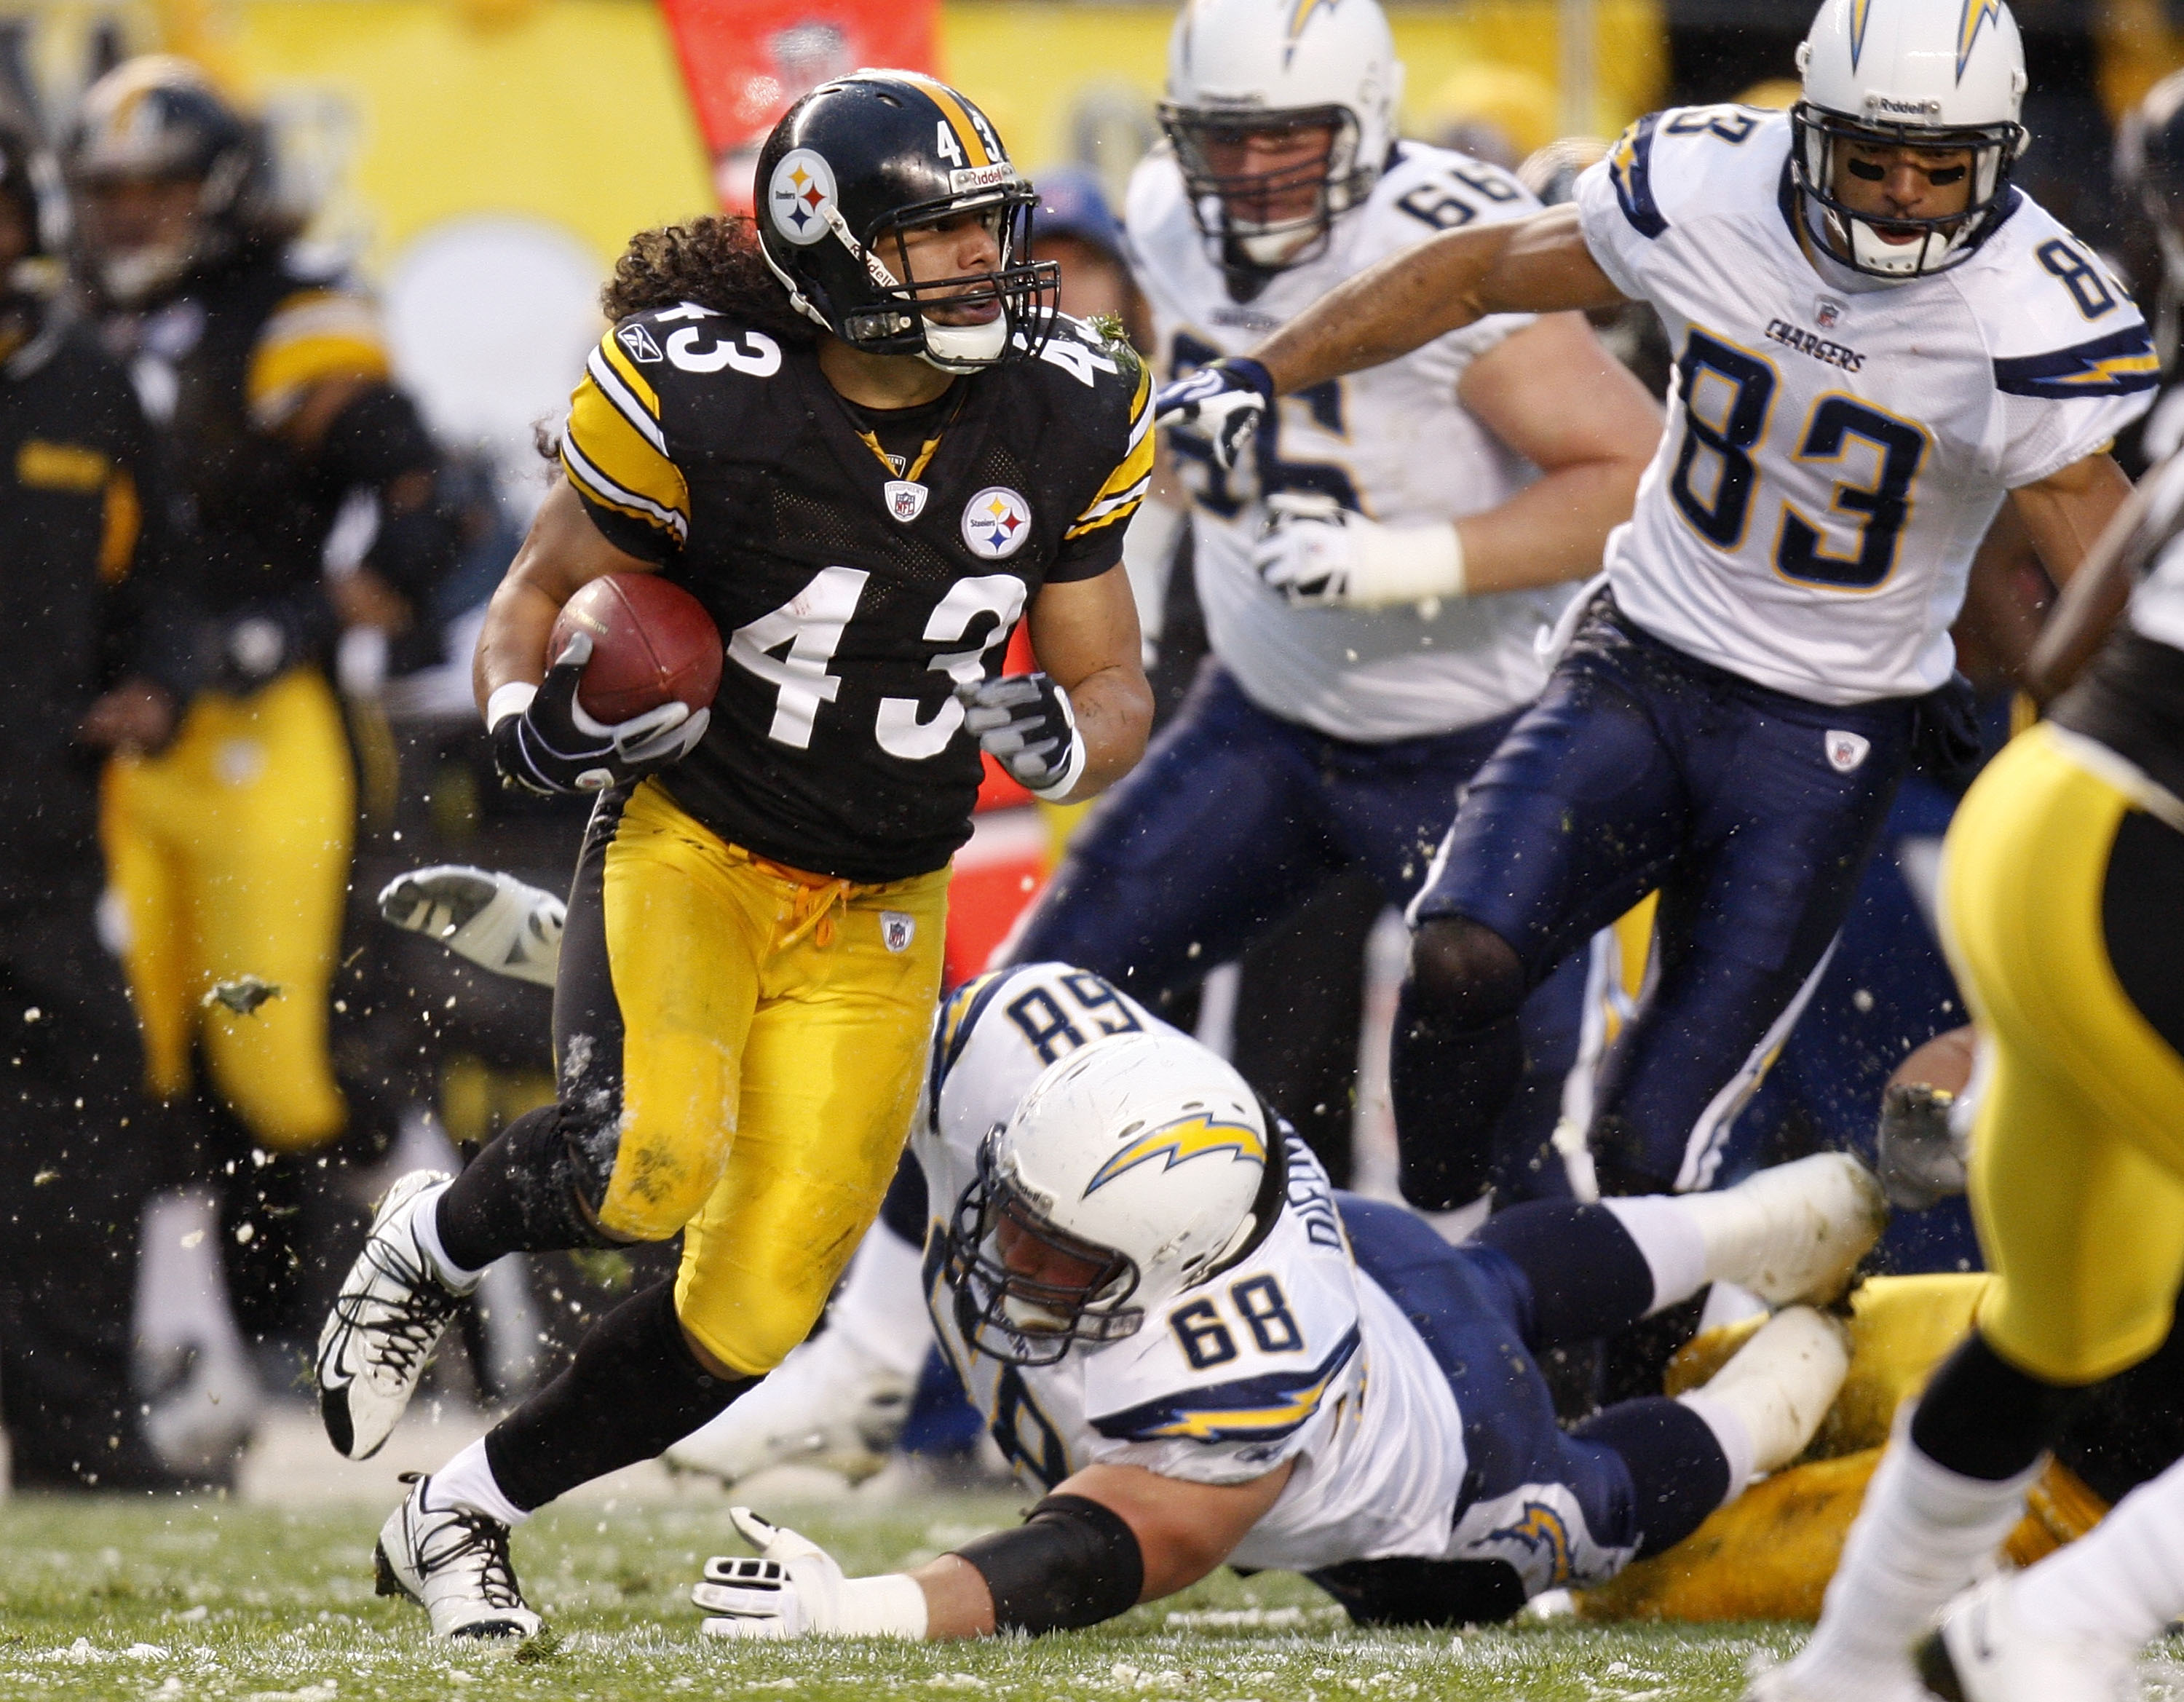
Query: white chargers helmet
[1134,1168]
[1237,68]
[1940,73]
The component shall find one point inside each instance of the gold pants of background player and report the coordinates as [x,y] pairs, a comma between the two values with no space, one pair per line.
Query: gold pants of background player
[759,1037]
[2077,1171]
[228,853]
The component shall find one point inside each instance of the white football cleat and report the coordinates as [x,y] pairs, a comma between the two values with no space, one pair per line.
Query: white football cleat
[1794,1233]
[453,1562]
[497,921]
[829,1404]
[390,1314]
[1984,1653]
[1782,1381]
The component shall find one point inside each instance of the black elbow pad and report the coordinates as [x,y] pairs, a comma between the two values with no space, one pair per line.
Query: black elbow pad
[1072,1563]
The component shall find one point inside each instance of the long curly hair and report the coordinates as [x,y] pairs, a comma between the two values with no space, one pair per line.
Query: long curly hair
[714,261]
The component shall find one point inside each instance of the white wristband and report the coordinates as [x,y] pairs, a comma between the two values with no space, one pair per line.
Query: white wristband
[892,1604]
[1404,565]
[510,699]
[1071,772]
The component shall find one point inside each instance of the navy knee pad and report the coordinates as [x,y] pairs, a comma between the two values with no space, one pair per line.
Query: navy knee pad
[1462,975]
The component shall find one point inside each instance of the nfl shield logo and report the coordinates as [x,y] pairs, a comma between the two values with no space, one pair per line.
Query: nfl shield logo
[1827,313]
[904,500]
[1845,751]
[897,930]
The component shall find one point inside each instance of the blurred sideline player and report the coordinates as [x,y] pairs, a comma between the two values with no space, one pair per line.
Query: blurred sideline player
[1371,648]
[1734,707]
[2064,886]
[1200,1352]
[229,847]
[86,513]
[754,939]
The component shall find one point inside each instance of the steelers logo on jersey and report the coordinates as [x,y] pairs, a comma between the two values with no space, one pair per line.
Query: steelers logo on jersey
[800,196]
[996,522]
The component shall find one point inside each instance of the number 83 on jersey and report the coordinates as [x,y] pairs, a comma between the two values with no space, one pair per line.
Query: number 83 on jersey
[1867,459]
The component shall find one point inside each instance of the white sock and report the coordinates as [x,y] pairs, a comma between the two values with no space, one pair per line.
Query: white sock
[1731,1431]
[1667,1233]
[425,1226]
[2123,1582]
[881,1308]
[1924,1532]
[467,1482]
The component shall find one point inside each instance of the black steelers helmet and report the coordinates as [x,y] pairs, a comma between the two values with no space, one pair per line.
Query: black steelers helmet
[158,119]
[856,164]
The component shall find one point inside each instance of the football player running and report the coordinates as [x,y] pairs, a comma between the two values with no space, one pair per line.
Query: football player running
[1878,338]
[1199,1351]
[1372,649]
[1375,575]
[2061,885]
[864,440]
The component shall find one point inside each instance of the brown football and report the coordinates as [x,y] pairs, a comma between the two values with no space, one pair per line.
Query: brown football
[651,643]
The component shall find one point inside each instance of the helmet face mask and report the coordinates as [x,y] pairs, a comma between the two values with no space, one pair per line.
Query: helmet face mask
[1270,220]
[1003,1252]
[846,181]
[1856,237]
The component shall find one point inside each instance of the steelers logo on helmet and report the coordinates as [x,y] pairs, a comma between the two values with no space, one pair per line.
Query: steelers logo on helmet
[800,196]
[996,522]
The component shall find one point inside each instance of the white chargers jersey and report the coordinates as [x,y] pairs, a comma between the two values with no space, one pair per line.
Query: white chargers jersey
[1293,1354]
[1838,445]
[1392,442]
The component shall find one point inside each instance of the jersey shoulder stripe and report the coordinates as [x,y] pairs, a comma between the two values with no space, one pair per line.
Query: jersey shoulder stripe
[1257,1409]
[1124,488]
[615,452]
[312,335]
[1631,169]
[2121,364]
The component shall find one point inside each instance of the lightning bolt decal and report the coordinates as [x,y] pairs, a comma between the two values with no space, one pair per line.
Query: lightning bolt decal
[1859,11]
[1301,13]
[1975,12]
[1187,1138]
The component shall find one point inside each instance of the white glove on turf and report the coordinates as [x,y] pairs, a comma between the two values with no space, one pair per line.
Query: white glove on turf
[795,1589]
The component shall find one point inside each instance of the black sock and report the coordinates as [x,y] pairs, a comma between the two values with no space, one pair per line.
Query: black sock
[1449,1086]
[633,1389]
[1677,1468]
[1983,1417]
[520,1195]
[1588,1277]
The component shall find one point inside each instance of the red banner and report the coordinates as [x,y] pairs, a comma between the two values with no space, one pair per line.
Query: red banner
[747,62]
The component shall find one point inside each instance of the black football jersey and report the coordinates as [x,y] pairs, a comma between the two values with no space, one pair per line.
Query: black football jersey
[852,590]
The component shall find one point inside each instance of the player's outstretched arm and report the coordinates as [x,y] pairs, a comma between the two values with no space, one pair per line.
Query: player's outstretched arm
[1108,1538]
[1539,265]
[2084,523]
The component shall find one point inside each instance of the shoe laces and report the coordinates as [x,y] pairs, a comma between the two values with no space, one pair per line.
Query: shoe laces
[398,1333]
[458,1536]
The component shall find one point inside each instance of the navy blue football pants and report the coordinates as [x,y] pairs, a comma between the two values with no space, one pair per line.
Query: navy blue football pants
[1640,768]
[1234,817]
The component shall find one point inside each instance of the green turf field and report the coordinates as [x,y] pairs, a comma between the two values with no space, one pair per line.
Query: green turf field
[269,1604]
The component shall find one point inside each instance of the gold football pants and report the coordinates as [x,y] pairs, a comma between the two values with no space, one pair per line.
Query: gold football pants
[228,854]
[747,1043]
[2077,1170]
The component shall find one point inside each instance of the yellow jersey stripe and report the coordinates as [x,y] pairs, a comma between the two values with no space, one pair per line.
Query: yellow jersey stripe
[618,357]
[974,145]
[610,460]
[124,524]
[314,335]
[602,373]
[1127,484]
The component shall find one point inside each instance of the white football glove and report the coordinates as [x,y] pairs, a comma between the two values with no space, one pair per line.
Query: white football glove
[1223,402]
[497,921]
[1320,555]
[795,1589]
